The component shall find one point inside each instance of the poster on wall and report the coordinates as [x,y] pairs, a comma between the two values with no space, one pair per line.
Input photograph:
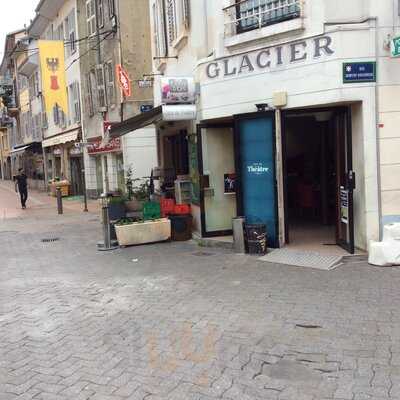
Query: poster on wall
[344,205]
[229,183]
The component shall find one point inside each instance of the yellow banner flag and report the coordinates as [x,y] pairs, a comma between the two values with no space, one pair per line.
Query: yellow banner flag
[52,66]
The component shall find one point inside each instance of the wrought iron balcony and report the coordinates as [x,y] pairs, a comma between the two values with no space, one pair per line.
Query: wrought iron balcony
[247,15]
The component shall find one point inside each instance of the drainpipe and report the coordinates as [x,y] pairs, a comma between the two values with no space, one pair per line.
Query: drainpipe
[377,108]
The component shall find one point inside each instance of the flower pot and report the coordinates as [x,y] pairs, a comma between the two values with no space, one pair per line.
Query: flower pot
[143,232]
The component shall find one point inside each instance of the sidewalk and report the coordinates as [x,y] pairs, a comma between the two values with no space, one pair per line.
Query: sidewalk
[38,204]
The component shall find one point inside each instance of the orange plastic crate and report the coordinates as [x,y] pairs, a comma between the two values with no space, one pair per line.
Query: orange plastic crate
[180,209]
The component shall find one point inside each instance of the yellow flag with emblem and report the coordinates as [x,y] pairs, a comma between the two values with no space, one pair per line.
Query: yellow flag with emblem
[52,67]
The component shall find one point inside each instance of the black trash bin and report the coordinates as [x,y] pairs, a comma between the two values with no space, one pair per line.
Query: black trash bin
[181,227]
[256,238]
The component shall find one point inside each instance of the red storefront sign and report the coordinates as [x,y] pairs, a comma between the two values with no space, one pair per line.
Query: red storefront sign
[124,81]
[98,146]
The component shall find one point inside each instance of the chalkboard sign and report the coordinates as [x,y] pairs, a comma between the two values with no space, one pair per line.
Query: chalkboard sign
[194,169]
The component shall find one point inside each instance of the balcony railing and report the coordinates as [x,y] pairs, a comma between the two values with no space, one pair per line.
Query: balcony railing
[247,15]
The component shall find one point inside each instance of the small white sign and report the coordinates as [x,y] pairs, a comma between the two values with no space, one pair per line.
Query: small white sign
[182,112]
[178,90]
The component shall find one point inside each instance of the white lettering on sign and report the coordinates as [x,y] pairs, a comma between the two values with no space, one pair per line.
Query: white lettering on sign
[266,59]
[257,168]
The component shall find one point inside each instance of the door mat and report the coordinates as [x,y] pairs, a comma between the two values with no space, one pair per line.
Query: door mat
[303,259]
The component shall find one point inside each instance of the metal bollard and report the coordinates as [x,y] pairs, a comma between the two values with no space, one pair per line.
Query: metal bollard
[238,235]
[59,201]
[85,199]
[107,244]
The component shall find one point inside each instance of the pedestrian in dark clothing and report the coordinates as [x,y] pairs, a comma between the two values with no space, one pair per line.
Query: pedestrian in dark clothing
[21,186]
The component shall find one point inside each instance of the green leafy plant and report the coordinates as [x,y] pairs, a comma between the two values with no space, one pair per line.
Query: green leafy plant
[128,221]
[137,188]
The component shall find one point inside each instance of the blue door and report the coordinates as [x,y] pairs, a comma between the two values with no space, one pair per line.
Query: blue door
[256,155]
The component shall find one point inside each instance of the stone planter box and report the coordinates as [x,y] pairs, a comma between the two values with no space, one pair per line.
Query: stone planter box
[143,232]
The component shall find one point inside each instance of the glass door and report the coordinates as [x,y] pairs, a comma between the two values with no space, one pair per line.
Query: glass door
[345,180]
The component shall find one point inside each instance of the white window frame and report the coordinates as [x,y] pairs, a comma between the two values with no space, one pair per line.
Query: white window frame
[159,20]
[178,20]
[91,17]
[101,87]
[70,32]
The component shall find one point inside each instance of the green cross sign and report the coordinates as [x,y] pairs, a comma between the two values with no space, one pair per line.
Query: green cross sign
[395,47]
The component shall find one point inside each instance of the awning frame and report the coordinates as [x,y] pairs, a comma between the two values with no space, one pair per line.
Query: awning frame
[137,122]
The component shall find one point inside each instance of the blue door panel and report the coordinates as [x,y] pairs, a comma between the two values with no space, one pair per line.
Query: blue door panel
[257,155]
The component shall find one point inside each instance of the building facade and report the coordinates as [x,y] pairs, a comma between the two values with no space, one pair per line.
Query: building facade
[296,115]
[62,132]
[119,41]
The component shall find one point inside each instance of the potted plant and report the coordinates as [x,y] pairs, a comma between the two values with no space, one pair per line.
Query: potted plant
[137,193]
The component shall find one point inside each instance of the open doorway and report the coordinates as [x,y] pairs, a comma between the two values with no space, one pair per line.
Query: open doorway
[318,163]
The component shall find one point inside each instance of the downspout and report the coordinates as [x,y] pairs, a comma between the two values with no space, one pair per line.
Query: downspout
[377,108]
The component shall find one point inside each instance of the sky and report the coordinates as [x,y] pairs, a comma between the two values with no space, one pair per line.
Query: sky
[14,14]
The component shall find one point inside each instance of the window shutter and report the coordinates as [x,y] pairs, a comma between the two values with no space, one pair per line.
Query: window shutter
[101,87]
[186,13]
[77,104]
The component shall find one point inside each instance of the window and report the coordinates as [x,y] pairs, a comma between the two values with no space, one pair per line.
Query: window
[91,17]
[70,32]
[100,6]
[178,19]
[111,8]
[75,106]
[101,88]
[253,14]
[89,94]
[110,82]
[59,33]
[160,40]
[171,21]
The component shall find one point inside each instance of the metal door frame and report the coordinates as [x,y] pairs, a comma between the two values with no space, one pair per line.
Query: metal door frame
[199,127]
[336,110]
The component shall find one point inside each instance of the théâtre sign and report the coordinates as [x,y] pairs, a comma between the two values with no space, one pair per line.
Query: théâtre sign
[271,57]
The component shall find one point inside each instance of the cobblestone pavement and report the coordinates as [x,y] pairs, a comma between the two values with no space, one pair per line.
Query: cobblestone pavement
[174,321]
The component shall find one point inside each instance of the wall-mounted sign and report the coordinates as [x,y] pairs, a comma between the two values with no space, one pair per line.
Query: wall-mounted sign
[146,108]
[359,72]
[75,151]
[98,146]
[229,183]
[57,151]
[257,169]
[124,81]
[145,83]
[178,91]
[181,112]
[271,58]
[395,47]
[344,205]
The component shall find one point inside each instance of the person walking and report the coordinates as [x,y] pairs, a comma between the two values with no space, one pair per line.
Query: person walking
[21,186]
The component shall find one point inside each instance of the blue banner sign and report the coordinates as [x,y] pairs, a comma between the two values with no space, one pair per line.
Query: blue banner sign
[359,72]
